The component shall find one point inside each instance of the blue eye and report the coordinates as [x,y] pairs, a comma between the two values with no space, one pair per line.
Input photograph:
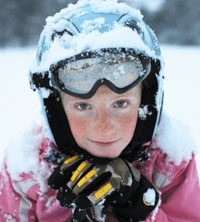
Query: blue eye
[82,106]
[120,104]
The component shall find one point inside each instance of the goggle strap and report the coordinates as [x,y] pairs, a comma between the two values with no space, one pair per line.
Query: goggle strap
[40,80]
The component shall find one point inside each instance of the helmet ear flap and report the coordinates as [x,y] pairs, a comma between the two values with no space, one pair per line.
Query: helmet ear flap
[146,126]
[58,122]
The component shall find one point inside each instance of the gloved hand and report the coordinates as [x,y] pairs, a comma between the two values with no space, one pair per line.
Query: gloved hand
[116,183]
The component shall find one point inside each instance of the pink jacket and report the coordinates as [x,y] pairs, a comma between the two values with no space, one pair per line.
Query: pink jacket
[24,199]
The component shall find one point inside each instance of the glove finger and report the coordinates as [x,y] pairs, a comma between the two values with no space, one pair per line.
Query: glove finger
[80,172]
[82,202]
[92,180]
[102,192]
[121,196]
[65,196]
[85,201]
[69,162]
[61,175]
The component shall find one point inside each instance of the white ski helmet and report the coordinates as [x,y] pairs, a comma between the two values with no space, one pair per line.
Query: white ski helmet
[89,34]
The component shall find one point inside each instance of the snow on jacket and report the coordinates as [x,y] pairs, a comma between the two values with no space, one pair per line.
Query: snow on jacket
[25,196]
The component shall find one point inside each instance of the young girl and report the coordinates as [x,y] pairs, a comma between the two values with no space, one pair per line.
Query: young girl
[109,154]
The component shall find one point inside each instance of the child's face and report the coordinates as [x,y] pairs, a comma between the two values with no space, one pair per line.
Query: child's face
[104,124]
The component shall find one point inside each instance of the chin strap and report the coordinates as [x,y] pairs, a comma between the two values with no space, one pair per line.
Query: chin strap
[136,152]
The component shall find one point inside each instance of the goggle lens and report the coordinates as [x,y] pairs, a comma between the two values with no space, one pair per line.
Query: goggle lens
[80,76]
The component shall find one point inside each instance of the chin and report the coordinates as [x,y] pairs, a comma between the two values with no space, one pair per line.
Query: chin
[104,153]
[108,155]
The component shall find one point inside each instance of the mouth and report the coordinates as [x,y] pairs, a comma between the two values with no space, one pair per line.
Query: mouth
[104,144]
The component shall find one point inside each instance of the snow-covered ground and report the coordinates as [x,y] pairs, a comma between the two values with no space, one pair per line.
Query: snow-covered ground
[19,105]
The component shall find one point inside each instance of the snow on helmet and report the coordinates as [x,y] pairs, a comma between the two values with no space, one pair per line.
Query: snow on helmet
[92,30]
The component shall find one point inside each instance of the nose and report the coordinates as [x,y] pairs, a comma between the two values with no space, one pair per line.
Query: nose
[104,125]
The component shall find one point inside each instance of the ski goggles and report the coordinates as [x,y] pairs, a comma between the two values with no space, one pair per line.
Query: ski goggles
[82,74]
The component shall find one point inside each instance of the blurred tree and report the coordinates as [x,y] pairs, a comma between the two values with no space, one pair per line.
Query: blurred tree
[21,21]
[177,22]
[174,21]
[148,5]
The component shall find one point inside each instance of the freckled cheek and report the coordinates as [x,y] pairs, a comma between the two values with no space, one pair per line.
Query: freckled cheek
[79,127]
[128,124]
